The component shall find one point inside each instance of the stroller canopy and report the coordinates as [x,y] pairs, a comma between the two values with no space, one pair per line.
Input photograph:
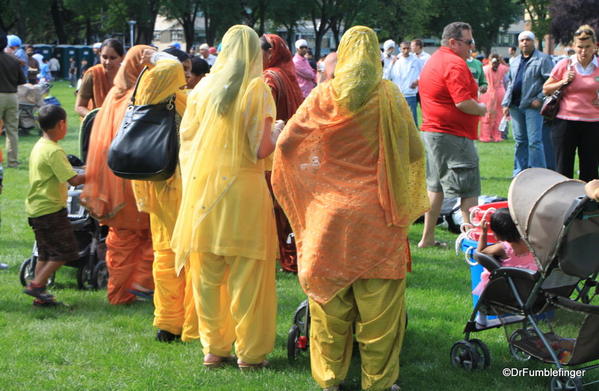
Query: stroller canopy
[541,201]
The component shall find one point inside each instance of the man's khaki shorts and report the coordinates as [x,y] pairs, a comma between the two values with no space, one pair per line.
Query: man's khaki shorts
[451,165]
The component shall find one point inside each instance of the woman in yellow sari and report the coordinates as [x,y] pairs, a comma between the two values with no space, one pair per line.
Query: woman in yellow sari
[225,227]
[110,198]
[349,173]
[174,313]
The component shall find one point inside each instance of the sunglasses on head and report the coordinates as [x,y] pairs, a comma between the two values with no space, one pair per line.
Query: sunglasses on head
[583,31]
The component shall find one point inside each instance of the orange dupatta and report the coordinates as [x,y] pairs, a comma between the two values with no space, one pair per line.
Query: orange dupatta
[349,173]
[101,86]
[107,197]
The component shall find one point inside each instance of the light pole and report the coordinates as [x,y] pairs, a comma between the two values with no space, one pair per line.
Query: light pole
[131,31]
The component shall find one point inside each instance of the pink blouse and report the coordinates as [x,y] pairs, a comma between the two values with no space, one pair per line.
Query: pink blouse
[524,261]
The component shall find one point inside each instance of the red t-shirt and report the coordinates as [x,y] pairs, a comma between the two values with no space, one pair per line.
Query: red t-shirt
[445,81]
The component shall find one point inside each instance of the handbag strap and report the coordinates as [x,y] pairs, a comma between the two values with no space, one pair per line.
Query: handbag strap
[137,84]
[171,101]
[565,85]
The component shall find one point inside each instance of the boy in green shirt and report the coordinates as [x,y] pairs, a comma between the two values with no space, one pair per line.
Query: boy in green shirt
[49,172]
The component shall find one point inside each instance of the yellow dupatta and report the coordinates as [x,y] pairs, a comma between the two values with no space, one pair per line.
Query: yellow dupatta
[220,134]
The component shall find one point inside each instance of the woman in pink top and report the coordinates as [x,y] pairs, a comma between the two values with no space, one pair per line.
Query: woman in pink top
[495,74]
[577,124]
[511,249]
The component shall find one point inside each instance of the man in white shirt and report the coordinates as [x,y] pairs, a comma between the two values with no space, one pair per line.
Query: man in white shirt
[416,46]
[388,55]
[405,72]
[205,54]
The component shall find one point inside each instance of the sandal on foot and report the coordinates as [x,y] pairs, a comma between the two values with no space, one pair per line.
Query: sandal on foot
[37,291]
[244,366]
[218,361]
[436,244]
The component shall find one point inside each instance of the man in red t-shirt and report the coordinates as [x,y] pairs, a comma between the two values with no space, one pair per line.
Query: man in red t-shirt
[450,111]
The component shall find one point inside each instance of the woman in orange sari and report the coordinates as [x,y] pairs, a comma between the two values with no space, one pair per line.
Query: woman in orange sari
[349,172]
[110,198]
[98,80]
[279,74]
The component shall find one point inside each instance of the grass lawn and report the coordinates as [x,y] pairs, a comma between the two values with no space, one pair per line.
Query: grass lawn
[95,346]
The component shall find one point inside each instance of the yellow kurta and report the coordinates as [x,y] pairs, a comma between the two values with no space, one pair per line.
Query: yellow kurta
[173,297]
[225,228]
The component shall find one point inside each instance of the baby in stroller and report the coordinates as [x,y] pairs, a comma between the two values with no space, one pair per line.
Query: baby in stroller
[511,249]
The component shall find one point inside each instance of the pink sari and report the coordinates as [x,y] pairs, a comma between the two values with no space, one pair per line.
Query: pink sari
[489,127]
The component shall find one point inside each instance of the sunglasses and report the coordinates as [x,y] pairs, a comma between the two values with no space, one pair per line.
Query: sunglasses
[584,31]
[467,41]
[303,47]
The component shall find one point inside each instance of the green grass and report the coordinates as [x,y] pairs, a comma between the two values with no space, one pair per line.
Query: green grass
[95,346]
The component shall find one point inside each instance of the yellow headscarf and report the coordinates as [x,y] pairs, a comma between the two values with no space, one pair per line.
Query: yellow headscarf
[158,84]
[358,71]
[214,139]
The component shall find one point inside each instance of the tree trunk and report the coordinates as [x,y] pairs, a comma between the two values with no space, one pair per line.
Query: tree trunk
[56,12]
[188,31]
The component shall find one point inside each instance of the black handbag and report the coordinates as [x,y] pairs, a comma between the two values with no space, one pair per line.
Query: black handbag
[146,146]
[550,106]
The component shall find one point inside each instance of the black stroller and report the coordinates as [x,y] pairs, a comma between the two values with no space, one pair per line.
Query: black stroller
[561,228]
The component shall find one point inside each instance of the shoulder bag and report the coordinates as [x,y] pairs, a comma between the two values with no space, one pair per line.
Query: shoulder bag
[146,146]
[551,103]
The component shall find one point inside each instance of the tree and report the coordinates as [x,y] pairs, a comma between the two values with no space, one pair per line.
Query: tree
[397,19]
[287,14]
[487,18]
[538,12]
[185,12]
[568,15]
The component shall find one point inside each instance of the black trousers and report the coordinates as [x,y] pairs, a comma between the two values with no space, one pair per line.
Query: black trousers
[570,136]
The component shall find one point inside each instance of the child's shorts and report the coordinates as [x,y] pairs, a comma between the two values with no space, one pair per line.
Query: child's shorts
[55,237]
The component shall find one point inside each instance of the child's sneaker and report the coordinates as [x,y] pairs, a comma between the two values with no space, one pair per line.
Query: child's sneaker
[47,302]
[35,290]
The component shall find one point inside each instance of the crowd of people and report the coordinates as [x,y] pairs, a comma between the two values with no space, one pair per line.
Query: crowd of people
[274,147]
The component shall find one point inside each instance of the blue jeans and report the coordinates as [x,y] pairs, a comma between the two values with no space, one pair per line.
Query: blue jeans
[548,145]
[528,134]
[413,103]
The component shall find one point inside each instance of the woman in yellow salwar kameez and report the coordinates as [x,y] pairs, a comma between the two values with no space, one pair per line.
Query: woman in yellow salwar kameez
[349,173]
[174,313]
[225,228]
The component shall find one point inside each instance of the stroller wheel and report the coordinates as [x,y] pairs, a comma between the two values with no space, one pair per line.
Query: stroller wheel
[565,383]
[27,271]
[465,355]
[515,351]
[483,352]
[85,278]
[292,338]
[100,275]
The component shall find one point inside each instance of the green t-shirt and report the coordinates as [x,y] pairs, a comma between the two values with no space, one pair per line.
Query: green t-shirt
[476,67]
[49,171]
